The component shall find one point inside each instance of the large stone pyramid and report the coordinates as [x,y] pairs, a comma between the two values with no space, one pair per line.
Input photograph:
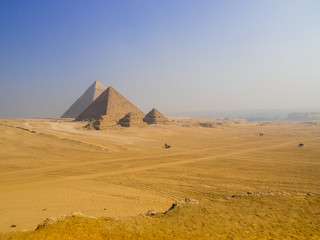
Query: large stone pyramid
[84,101]
[155,117]
[110,103]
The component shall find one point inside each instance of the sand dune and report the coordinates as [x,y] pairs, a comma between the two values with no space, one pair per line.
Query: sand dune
[52,167]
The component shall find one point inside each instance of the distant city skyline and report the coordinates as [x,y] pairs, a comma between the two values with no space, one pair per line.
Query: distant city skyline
[177,56]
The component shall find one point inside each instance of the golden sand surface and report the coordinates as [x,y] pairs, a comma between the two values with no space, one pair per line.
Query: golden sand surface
[53,167]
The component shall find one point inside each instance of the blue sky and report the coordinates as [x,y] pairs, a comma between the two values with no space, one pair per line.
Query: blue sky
[172,55]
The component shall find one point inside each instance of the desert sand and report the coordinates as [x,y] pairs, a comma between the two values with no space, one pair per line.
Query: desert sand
[54,167]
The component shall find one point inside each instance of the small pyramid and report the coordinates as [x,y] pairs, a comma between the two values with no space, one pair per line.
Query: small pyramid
[155,117]
[111,103]
[104,122]
[84,101]
[131,119]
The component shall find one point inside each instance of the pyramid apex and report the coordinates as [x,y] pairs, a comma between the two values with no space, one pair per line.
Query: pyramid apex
[98,84]
[111,89]
[154,111]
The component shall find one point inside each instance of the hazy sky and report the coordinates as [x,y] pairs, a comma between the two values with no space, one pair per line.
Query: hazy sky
[173,55]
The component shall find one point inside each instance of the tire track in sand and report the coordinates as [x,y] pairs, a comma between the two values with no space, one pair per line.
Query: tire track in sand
[175,154]
[167,164]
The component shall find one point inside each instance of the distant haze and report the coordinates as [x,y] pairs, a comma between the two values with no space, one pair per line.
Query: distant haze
[286,114]
[177,56]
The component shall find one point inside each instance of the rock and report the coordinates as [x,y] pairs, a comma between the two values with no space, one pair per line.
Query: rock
[186,201]
[207,124]
[52,220]
[150,213]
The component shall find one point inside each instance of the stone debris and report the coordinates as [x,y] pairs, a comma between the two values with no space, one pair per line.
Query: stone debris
[207,124]
[150,213]
[186,201]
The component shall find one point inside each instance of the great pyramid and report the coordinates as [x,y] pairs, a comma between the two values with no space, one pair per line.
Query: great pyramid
[84,101]
[110,103]
[155,117]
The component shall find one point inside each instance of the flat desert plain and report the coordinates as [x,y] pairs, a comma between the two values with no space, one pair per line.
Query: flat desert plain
[241,185]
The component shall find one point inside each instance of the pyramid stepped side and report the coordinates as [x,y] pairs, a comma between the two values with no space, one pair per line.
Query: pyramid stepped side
[85,100]
[111,103]
[155,117]
[131,119]
[105,122]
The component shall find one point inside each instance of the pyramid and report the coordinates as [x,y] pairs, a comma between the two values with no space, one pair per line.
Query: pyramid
[104,122]
[131,119]
[84,101]
[155,117]
[111,103]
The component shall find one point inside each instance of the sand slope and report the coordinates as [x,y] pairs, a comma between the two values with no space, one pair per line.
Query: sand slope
[263,216]
[55,167]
